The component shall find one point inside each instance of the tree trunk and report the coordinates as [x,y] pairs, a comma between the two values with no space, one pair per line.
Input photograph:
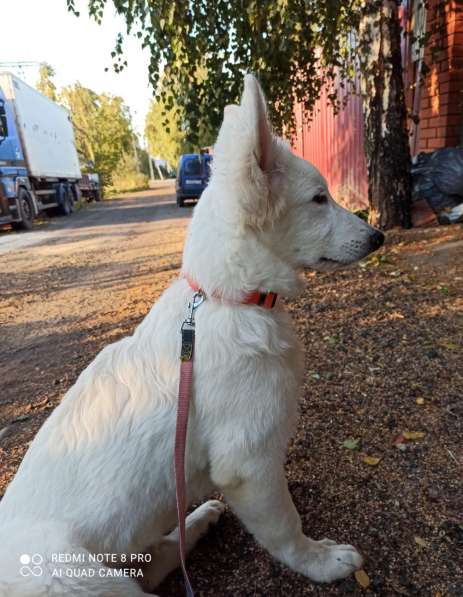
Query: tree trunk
[387,148]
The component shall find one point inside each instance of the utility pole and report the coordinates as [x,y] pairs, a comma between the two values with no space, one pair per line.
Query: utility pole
[150,163]
[135,152]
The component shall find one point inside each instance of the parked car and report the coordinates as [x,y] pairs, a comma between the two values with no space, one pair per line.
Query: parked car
[90,186]
[193,174]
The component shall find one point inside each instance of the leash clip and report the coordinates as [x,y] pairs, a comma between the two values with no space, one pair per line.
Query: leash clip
[196,301]
[188,327]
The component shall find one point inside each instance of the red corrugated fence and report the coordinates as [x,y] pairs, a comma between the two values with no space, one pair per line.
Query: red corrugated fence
[334,144]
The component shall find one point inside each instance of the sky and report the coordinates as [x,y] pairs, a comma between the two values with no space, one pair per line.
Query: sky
[77,48]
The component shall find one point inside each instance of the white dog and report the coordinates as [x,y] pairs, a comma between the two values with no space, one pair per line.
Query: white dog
[98,478]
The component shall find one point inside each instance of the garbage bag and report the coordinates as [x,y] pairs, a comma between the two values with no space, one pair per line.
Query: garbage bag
[438,178]
[447,168]
[454,216]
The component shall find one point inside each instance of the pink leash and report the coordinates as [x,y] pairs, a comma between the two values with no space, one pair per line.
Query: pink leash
[183,406]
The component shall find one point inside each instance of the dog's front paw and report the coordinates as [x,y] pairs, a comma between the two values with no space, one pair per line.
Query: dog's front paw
[331,561]
[212,510]
[207,514]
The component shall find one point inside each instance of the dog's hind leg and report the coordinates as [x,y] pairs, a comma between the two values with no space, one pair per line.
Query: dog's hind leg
[165,554]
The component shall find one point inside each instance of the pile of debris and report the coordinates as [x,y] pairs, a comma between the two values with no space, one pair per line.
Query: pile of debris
[438,181]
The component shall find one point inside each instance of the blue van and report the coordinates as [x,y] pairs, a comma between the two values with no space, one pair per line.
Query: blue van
[192,176]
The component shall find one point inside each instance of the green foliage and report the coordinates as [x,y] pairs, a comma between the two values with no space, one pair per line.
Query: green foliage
[45,84]
[143,163]
[102,126]
[128,175]
[163,133]
[167,124]
[284,42]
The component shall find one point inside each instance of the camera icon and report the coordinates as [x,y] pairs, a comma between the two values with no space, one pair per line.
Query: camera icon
[31,564]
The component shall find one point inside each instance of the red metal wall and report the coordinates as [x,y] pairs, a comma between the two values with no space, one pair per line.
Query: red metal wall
[334,144]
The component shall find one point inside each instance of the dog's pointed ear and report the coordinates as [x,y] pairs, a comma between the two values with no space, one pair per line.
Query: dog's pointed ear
[255,112]
[245,157]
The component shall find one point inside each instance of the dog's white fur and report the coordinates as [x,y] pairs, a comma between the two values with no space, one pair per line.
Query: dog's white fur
[99,478]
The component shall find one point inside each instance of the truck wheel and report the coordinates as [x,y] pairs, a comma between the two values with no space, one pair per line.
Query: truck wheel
[67,207]
[97,195]
[180,201]
[26,211]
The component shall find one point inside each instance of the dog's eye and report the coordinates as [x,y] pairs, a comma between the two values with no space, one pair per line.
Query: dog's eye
[320,198]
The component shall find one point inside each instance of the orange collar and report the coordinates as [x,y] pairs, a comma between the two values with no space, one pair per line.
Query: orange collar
[266,300]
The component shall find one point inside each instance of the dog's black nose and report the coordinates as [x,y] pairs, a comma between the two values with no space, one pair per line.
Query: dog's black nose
[376,240]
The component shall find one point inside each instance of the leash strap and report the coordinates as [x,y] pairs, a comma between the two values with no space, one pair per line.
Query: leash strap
[186,378]
[183,407]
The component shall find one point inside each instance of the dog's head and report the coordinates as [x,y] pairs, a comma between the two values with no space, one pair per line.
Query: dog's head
[268,213]
[283,197]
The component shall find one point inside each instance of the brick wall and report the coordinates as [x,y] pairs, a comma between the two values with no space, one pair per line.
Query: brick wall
[441,96]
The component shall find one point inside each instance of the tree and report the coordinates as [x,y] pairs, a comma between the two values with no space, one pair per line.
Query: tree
[294,46]
[128,175]
[386,142]
[45,84]
[102,126]
[164,134]
[167,125]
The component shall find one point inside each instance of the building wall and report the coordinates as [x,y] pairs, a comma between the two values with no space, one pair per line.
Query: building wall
[441,97]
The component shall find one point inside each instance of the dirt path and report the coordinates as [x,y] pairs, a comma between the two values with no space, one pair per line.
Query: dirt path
[384,344]
[76,285]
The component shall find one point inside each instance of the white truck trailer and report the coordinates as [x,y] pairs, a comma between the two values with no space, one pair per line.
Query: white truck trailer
[39,165]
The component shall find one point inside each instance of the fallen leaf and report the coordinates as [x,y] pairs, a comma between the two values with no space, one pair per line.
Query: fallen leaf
[21,418]
[332,340]
[448,345]
[413,435]
[351,443]
[4,431]
[420,541]
[420,401]
[362,578]
[40,403]
[371,460]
